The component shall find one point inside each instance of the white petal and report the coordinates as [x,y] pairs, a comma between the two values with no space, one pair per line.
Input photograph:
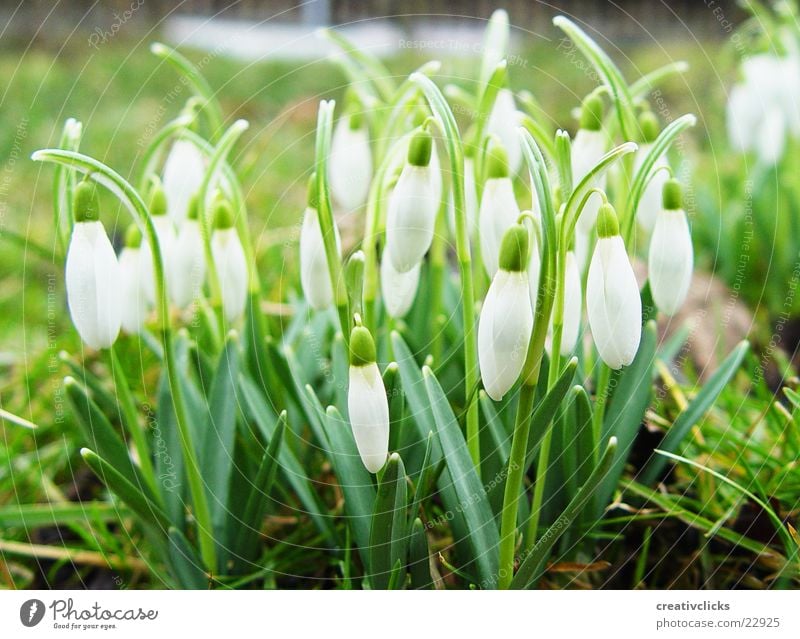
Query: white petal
[368,408]
[183,174]
[504,331]
[587,149]
[670,261]
[504,120]
[411,218]
[165,232]
[188,268]
[650,203]
[573,302]
[314,274]
[436,176]
[771,136]
[93,285]
[742,116]
[231,267]
[535,262]
[398,289]
[499,211]
[133,301]
[613,303]
[350,165]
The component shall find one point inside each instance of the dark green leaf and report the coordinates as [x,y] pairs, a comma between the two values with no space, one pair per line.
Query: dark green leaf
[186,565]
[419,558]
[388,531]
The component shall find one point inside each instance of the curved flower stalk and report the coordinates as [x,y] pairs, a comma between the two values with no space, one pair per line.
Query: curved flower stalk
[411,216]
[650,202]
[350,164]
[165,231]
[588,147]
[92,273]
[499,209]
[397,288]
[612,295]
[314,276]
[367,403]
[226,248]
[132,267]
[504,121]
[182,176]
[188,270]
[671,257]
[506,321]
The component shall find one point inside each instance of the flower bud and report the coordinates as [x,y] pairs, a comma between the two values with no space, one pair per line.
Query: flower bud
[504,120]
[588,147]
[229,259]
[398,289]
[92,273]
[133,300]
[367,404]
[183,174]
[165,232]
[188,269]
[350,162]
[612,295]
[671,257]
[499,209]
[506,321]
[314,274]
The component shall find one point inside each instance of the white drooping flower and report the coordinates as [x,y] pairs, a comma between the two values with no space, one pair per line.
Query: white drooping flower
[436,176]
[411,215]
[314,274]
[506,321]
[133,300]
[367,404]
[650,202]
[470,201]
[588,147]
[504,121]
[92,274]
[612,295]
[188,268]
[165,233]
[183,174]
[398,289]
[230,263]
[499,210]
[671,257]
[350,162]
[573,305]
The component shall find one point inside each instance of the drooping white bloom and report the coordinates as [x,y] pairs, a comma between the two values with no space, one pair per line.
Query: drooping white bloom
[436,177]
[504,120]
[650,203]
[470,201]
[587,149]
[230,263]
[183,174]
[499,209]
[92,274]
[188,268]
[133,300]
[506,320]
[411,216]
[367,404]
[314,274]
[350,163]
[398,289]
[671,257]
[165,232]
[573,305]
[612,296]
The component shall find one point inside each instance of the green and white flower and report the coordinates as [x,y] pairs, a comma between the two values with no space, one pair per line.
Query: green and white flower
[350,165]
[188,270]
[650,202]
[398,289]
[133,300]
[314,274]
[504,121]
[183,174]
[230,262]
[499,209]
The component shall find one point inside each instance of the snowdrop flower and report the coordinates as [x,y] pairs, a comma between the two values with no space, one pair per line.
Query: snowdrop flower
[229,259]
[612,295]
[188,268]
[436,176]
[92,274]
[165,232]
[671,257]
[504,120]
[499,210]
[506,321]
[314,274]
[183,174]
[470,200]
[535,260]
[398,289]
[350,162]
[133,301]
[650,202]
[367,403]
[588,147]
[412,210]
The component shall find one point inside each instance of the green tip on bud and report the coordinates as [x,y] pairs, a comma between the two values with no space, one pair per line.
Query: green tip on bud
[313,194]
[158,199]
[648,123]
[592,113]
[133,237]
[514,249]
[496,162]
[86,203]
[223,215]
[607,223]
[362,347]
[193,213]
[356,121]
[672,195]
[420,148]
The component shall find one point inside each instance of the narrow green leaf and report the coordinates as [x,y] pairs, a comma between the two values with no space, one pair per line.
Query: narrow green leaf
[388,531]
[419,558]
[184,562]
[30,516]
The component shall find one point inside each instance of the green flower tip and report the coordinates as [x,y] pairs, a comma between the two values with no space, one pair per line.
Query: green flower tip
[420,148]
[672,195]
[158,199]
[193,212]
[133,237]
[514,249]
[607,223]
[592,113]
[648,123]
[356,120]
[362,347]
[497,162]
[86,202]
[312,197]
[223,215]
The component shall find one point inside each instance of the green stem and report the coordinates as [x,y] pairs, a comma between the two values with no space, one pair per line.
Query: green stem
[600,403]
[438,272]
